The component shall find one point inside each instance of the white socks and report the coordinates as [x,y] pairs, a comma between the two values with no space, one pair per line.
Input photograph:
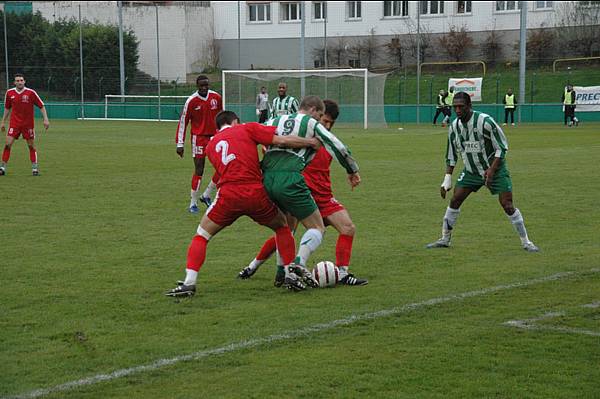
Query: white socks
[449,221]
[310,242]
[255,264]
[194,197]
[209,189]
[517,221]
[190,277]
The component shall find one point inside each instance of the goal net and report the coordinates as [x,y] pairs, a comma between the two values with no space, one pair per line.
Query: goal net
[143,108]
[359,93]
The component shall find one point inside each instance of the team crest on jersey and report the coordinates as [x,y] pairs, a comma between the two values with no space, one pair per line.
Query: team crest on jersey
[213,104]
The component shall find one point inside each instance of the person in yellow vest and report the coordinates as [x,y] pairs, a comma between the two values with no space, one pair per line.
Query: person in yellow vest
[568,100]
[448,107]
[439,107]
[510,103]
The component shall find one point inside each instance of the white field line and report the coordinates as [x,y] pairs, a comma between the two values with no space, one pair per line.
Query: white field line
[236,346]
[531,324]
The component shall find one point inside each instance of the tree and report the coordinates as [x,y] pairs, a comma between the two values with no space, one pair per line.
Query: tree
[411,38]
[370,48]
[578,24]
[395,50]
[456,42]
[336,49]
[540,44]
[491,47]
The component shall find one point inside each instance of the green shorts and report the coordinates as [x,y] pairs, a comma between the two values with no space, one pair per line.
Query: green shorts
[289,191]
[500,184]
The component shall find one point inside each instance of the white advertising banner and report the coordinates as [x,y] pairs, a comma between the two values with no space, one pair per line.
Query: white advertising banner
[472,86]
[587,98]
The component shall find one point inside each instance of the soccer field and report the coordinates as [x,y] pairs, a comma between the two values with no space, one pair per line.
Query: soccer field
[90,246]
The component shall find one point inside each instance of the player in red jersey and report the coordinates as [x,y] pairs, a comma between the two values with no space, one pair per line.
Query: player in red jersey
[20,101]
[233,153]
[200,109]
[318,180]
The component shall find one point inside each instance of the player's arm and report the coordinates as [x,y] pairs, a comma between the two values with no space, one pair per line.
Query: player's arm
[339,151]
[7,107]
[500,145]
[266,135]
[45,117]
[294,106]
[181,129]
[451,159]
[295,142]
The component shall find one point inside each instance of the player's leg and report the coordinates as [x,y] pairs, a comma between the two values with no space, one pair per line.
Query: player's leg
[196,181]
[33,154]
[10,139]
[206,197]
[342,222]
[516,218]
[506,112]
[437,113]
[195,257]
[512,116]
[451,216]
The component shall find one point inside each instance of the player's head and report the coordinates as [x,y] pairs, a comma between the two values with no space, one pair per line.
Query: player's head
[263,90]
[451,89]
[226,118]
[19,81]
[462,104]
[332,111]
[569,87]
[509,91]
[313,106]
[282,89]
[202,85]
[441,92]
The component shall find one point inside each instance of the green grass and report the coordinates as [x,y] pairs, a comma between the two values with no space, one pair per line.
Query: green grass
[89,247]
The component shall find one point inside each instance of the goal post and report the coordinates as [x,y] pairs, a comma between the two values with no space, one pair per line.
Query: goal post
[359,93]
[142,108]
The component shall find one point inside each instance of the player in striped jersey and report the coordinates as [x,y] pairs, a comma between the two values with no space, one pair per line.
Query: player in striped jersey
[482,146]
[284,104]
[283,180]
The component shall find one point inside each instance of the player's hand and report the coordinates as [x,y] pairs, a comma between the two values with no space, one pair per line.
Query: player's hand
[257,112]
[3,127]
[488,176]
[446,185]
[180,152]
[46,124]
[315,143]
[354,180]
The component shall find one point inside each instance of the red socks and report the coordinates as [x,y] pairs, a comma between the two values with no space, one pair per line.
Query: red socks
[196,253]
[285,244]
[267,249]
[343,250]
[6,154]
[196,182]
[32,155]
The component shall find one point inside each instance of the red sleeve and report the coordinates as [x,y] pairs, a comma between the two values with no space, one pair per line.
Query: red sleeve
[182,125]
[261,134]
[220,103]
[7,102]
[37,100]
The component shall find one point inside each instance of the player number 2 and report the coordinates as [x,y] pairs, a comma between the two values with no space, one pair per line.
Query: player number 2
[222,147]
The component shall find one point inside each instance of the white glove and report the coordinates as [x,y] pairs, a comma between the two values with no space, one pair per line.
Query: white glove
[257,112]
[447,183]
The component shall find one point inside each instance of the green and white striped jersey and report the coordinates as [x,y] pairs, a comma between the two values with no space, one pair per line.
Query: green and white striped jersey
[295,160]
[478,142]
[284,106]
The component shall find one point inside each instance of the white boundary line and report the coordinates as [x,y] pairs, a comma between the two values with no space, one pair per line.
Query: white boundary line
[236,346]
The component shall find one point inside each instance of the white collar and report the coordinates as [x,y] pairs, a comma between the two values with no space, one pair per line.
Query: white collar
[19,92]
[224,127]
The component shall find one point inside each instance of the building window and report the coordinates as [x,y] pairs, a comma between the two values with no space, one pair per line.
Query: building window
[354,63]
[463,7]
[431,7]
[319,10]
[291,11]
[354,9]
[259,12]
[540,5]
[508,5]
[395,8]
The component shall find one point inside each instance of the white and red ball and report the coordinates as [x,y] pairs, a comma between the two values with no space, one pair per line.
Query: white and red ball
[326,273]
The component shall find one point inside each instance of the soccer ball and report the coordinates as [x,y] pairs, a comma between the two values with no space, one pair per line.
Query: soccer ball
[326,273]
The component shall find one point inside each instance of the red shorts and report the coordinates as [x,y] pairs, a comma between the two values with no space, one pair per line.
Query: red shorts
[327,205]
[28,133]
[235,200]
[199,144]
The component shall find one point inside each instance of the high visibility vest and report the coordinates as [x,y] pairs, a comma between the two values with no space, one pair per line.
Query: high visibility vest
[449,98]
[509,100]
[567,98]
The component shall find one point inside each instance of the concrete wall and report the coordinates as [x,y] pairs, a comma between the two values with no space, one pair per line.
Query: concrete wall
[184,30]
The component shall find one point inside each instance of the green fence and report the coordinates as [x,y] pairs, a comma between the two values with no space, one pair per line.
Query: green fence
[349,114]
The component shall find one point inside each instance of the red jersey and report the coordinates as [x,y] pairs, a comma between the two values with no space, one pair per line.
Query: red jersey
[233,153]
[21,104]
[201,111]
[316,174]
